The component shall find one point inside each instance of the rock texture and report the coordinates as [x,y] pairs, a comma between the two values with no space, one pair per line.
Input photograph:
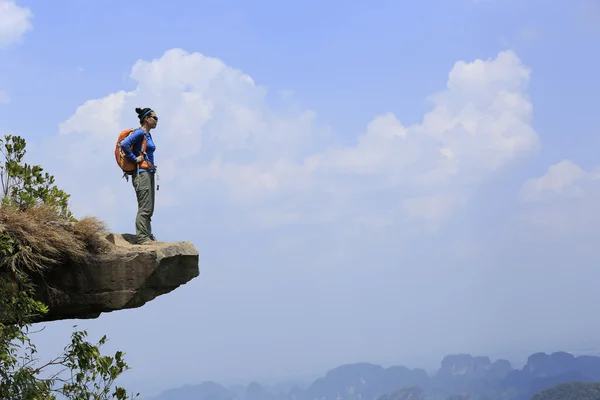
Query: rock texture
[127,276]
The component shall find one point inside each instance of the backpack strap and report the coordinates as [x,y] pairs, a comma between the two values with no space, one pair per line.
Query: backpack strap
[144,144]
[143,151]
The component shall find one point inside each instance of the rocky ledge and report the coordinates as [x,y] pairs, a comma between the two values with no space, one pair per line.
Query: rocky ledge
[126,276]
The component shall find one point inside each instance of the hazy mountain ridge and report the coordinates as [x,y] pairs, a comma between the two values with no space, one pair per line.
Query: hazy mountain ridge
[460,376]
[571,391]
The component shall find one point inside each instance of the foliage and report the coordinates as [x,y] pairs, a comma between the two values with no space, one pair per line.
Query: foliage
[571,391]
[30,203]
[35,216]
[89,375]
[40,239]
[26,185]
[406,393]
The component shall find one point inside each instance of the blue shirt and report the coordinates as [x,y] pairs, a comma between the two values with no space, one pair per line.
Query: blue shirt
[135,139]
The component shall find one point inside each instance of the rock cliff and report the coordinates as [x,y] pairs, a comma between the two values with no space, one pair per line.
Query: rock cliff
[125,276]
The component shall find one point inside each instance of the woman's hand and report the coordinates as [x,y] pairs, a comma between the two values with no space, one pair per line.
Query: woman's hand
[140,158]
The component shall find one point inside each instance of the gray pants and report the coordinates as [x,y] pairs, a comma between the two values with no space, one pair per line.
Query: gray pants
[143,184]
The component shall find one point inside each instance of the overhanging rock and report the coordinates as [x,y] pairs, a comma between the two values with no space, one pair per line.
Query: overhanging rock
[127,276]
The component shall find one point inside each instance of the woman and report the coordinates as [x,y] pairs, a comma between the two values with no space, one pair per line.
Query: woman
[143,179]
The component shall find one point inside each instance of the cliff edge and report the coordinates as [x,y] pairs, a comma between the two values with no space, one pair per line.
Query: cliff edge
[125,276]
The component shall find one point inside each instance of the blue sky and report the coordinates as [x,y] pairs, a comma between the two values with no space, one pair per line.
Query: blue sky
[335,223]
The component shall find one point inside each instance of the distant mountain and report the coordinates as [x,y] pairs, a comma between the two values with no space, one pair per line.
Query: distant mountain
[406,393]
[460,377]
[571,391]
[465,374]
[544,371]
[363,381]
[203,391]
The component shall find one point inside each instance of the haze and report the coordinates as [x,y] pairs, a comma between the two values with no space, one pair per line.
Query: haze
[387,182]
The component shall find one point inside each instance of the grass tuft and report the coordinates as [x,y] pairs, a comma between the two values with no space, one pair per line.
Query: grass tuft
[40,239]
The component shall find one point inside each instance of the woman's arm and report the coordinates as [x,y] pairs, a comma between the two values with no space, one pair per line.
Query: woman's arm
[129,141]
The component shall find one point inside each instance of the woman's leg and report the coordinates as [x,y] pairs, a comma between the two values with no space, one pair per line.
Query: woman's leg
[144,191]
[152,202]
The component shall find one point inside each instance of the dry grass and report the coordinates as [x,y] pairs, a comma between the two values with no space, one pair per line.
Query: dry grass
[45,241]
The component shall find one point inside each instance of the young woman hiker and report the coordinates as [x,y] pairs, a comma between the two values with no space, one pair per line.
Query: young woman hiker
[143,178]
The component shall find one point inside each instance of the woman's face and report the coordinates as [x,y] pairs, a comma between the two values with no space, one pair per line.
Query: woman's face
[152,120]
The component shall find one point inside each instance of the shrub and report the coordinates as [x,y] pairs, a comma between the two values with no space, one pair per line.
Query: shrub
[38,231]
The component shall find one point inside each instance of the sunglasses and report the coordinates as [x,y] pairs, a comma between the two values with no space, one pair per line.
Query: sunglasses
[155,118]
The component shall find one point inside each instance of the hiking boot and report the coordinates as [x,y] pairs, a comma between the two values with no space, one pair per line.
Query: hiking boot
[144,240]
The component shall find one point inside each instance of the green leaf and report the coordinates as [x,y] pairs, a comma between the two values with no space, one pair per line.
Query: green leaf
[86,372]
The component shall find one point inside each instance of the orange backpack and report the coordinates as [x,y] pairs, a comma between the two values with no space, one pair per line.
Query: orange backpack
[128,166]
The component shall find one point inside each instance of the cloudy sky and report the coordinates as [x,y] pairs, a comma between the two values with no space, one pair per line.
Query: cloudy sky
[389,183]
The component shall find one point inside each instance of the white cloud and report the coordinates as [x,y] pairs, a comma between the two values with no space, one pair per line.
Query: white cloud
[432,208]
[480,123]
[561,179]
[563,201]
[217,137]
[15,21]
